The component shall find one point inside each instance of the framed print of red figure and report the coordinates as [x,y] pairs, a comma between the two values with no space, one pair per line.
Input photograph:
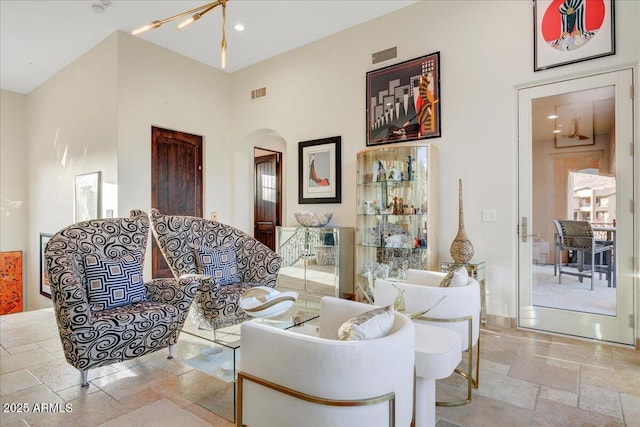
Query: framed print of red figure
[403,101]
[570,31]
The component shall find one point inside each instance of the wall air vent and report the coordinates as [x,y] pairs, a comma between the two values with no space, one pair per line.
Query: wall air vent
[384,55]
[259,93]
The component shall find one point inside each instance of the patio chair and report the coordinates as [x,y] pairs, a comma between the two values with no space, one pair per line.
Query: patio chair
[578,237]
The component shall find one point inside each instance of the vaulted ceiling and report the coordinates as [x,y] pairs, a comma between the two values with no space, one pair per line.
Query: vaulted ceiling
[39,38]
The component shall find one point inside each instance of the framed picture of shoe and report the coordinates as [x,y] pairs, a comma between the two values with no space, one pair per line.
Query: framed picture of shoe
[319,171]
[403,101]
[570,31]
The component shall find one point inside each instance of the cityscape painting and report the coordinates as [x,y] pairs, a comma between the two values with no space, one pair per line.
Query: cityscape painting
[403,101]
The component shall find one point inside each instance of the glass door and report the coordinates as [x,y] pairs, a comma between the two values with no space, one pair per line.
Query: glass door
[575,195]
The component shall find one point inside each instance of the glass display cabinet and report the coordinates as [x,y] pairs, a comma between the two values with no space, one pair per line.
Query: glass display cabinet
[396,213]
[316,261]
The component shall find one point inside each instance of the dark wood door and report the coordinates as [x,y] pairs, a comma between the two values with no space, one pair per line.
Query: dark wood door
[176,181]
[267,206]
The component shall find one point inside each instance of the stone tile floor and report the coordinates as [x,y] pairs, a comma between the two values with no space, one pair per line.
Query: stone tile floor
[526,379]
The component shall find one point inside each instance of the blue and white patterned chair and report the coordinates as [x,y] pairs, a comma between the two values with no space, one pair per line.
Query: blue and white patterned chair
[105,313]
[185,240]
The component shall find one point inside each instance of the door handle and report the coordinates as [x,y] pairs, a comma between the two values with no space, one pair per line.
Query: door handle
[523,230]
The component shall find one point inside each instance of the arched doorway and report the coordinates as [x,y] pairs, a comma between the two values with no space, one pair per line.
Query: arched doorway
[267,195]
[258,143]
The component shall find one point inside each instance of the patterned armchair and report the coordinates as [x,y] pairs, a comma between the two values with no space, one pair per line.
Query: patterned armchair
[99,321]
[179,238]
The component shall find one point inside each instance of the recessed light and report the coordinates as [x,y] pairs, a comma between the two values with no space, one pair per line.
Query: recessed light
[101,6]
[238,27]
[556,131]
[552,116]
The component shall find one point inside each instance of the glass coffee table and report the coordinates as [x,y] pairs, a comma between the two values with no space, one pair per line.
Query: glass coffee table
[219,353]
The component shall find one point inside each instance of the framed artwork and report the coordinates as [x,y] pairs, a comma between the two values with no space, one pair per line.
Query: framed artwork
[319,171]
[87,196]
[10,282]
[403,101]
[570,31]
[574,123]
[45,290]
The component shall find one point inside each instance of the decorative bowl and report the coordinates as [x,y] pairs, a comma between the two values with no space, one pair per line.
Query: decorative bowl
[266,302]
[313,219]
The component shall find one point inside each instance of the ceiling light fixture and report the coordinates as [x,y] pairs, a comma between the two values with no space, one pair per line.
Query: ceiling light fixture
[552,116]
[196,14]
[238,27]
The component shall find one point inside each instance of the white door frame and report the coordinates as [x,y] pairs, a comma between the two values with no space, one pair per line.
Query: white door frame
[619,328]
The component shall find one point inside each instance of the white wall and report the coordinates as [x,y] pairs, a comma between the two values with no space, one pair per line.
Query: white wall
[14,177]
[156,87]
[96,115]
[72,130]
[486,53]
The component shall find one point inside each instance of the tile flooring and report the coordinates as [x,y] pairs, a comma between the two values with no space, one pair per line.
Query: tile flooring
[526,379]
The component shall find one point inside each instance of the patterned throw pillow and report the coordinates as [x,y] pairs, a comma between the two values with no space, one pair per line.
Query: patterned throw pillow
[375,323]
[219,263]
[459,277]
[446,280]
[114,282]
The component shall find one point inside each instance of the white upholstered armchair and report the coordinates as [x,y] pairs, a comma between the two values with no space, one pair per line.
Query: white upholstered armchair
[459,311]
[290,379]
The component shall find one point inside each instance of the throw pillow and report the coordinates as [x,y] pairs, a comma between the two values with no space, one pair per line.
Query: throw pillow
[375,323]
[114,282]
[458,277]
[446,280]
[218,262]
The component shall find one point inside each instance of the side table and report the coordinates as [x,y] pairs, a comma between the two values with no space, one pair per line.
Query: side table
[438,353]
[476,269]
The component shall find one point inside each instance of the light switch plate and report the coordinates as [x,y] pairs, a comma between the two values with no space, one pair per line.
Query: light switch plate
[489,215]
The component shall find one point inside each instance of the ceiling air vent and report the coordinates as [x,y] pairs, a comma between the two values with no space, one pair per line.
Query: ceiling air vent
[384,55]
[258,93]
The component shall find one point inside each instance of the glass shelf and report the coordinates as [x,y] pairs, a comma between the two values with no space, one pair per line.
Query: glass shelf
[396,206]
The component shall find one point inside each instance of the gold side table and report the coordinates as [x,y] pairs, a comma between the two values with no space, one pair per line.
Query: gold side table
[476,270]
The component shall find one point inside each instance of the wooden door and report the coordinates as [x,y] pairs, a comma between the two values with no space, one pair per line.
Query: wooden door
[267,206]
[176,181]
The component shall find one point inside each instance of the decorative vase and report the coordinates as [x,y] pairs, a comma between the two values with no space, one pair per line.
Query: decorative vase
[461,248]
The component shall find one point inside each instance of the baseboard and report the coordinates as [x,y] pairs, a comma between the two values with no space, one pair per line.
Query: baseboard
[501,321]
[510,322]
